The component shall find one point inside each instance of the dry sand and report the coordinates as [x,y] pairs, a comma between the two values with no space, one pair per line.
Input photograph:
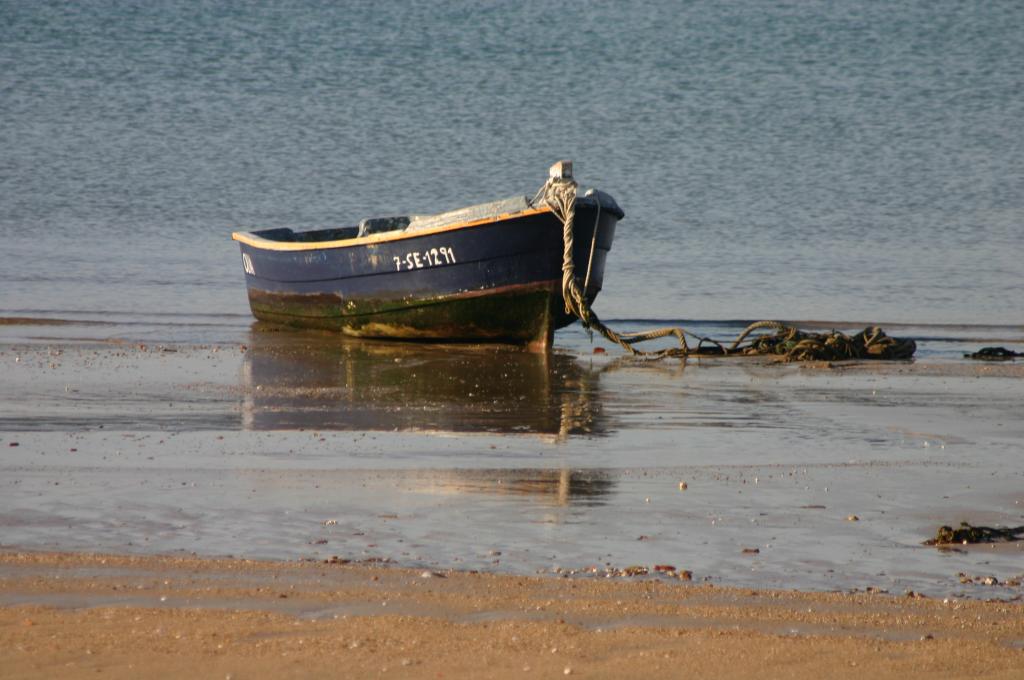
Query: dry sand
[74,616]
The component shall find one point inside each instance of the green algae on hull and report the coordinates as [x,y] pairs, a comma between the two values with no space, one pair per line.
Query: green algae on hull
[521,314]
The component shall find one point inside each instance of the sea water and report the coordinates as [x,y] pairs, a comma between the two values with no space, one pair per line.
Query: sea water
[824,160]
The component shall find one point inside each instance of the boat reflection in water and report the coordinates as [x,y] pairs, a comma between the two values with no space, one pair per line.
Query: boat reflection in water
[306,380]
[321,382]
[549,486]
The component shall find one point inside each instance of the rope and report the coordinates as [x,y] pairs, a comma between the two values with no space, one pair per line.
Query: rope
[559,194]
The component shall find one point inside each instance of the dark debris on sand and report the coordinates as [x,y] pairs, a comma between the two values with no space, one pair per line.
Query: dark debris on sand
[967,533]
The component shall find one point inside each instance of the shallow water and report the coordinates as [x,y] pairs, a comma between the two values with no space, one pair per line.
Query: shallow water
[489,458]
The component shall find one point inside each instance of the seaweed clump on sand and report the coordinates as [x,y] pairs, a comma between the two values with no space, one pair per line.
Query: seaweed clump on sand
[797,345]
[994,354]
[968,533]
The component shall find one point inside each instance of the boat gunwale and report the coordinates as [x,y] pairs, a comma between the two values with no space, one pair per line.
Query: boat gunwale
[256,241]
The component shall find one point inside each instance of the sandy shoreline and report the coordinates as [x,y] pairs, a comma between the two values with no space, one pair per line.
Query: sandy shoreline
[805,487]
[73,615]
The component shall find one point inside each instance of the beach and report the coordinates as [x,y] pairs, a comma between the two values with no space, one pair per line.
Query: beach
[289,503]
[79,615]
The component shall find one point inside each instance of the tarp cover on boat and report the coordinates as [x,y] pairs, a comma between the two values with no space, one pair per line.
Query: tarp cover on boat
[473,213]
[505,206]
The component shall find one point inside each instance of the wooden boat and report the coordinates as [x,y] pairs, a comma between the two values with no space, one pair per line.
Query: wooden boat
[485,273]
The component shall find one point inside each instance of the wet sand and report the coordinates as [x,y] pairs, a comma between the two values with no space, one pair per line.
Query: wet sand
[291,446]
[78,615]
[795,497]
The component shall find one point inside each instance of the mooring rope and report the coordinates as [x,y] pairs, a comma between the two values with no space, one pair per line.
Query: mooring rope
[559,194]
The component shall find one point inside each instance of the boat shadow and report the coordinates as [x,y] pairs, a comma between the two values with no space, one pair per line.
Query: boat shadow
[322,381]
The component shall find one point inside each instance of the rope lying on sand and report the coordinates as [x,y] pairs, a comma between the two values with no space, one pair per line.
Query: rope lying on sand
[559,193]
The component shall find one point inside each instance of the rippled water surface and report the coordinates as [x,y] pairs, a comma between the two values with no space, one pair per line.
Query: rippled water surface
[818,160]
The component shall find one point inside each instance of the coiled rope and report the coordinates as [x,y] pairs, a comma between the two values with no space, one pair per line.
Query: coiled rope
[792,344]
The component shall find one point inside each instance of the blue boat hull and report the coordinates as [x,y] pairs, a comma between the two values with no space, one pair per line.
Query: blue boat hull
[499,281]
